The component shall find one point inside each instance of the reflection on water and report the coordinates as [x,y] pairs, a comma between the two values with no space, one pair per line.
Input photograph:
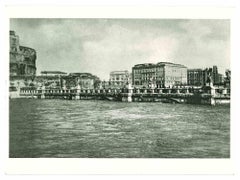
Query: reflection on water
[78,129]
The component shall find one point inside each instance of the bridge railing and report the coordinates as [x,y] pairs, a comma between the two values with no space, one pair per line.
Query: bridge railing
[219,92]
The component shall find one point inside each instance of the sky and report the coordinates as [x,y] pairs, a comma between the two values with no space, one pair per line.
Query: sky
[99,46]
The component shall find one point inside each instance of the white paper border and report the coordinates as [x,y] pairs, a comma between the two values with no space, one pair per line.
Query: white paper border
[124,166]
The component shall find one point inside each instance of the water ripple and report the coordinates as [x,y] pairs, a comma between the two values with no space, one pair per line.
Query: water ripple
[59,128]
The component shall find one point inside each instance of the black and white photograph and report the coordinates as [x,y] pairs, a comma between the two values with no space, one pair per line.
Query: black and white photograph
[119,88]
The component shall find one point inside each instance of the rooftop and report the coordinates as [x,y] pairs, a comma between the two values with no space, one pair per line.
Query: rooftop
[158,64]
[84,75]
[145,65]
[52,72]
[195,69]
[169,63]
[79,74]
[119,72]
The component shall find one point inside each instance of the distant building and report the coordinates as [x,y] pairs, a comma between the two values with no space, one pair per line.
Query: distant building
[22,59]
[105,84]
[143,73]
[162,74]
[53,73]
[227,79]
[85,80]
[220,79]
[119,78]
[171,74]
[196,77]
[215,75]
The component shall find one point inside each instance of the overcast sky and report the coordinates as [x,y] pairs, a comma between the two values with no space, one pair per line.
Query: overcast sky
[99,46]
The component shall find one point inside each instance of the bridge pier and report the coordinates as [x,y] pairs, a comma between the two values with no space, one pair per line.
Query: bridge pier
[152,90]
[77,96]
[128,97]
[43,92]
[224,91]
[130,92]
[213,93]
[42,96]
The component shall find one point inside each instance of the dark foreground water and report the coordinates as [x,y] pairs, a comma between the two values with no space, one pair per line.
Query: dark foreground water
[99,129]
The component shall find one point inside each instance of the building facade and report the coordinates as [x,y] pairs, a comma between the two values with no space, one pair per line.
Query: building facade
[162,74]
[173,74]
[142,74]
[199,77]
[220,79]
[227,79]
[214,74]
[119,79]
[22,59]
[85,80]
[196,77]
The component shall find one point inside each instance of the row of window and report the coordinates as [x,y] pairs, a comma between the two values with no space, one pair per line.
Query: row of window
[139,71]
[159,78]
[117,79]
[172,70]
[143,70]
[158,82]
[159,70]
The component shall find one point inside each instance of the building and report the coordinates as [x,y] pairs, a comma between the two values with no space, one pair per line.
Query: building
[214,74]
[170,74]
[162,74]
[22,59]
[227,79]
[220,79]
[199,77]
[143,73]
[196,77]
[119,79]
[105,85]
[85,80]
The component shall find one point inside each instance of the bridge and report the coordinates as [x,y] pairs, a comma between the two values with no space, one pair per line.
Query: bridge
[201,95]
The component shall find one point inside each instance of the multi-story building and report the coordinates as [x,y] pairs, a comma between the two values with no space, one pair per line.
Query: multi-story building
[22,59]
[220,79]
[119,78]
[142,74]
[172,74]
[196,77]
[162,74]
[199,77]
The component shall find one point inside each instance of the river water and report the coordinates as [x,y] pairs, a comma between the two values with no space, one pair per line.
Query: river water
[105,129]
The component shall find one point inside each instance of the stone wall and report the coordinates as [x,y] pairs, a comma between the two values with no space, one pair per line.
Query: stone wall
[22,59]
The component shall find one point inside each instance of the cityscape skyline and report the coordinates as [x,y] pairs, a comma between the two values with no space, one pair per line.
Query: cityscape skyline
[100,46]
